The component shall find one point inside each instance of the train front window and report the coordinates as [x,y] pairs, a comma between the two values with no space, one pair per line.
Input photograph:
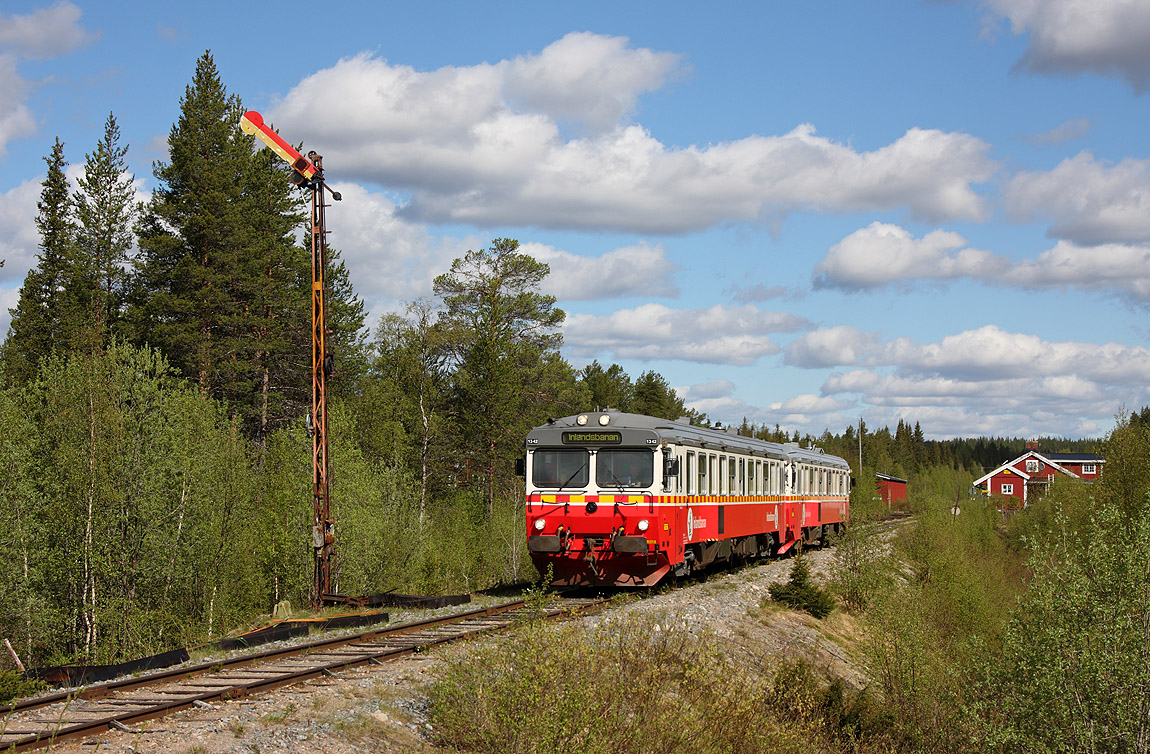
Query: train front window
[560,468]
[624,468]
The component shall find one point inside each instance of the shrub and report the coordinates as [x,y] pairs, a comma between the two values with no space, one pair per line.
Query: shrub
[14,685]
[638,686]
[862,566]
[799,593]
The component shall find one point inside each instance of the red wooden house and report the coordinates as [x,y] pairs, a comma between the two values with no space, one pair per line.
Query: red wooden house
[890,489]
[1020,480]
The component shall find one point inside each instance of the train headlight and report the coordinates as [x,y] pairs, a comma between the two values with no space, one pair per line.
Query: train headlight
[539,524]
[604,420]
[581,419]
[643,524]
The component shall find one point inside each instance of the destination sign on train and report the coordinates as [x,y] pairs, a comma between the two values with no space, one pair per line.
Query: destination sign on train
[592,438]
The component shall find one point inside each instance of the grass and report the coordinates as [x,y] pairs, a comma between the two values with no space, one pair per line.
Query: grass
[281,715]
[639,685]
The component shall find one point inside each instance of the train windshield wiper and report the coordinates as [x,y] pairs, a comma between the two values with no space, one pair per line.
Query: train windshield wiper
[573,475]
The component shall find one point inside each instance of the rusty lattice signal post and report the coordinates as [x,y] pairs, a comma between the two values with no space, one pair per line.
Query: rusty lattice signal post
[307,172]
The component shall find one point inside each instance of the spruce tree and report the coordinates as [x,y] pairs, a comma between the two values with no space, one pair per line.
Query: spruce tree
[106,211]
[40,323]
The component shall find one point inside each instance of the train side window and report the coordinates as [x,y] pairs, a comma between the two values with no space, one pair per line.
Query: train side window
[721,481]
[742,477]
[713,482]
[702,488]
[732,479]
[690,472]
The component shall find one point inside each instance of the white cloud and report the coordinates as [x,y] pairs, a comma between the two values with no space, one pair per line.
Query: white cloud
[716,335]
[392,261]
[808,403]
[19,239]
[15,118]
[1089,202]
[639,270]
[45,32]
[831,347]
[753,294]
[486,145]
[1020,406]
[882,253]
[713,389]
[991,381]
[586,77]
[1122,269]
[1076,36]
[9,297]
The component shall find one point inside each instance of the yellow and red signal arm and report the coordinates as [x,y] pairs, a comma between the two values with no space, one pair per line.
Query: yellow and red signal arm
[252,123]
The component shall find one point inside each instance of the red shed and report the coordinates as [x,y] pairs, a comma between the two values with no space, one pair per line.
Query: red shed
[1018,481]
[890,489]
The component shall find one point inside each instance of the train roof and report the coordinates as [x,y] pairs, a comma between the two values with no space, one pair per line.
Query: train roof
[683,432]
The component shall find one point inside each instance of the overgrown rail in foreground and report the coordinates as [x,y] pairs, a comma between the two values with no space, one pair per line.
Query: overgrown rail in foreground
[40,722]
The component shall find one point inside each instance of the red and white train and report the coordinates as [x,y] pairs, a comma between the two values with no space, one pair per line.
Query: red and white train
[624,499]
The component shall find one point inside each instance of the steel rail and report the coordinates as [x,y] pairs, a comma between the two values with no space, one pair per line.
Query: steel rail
[328,655]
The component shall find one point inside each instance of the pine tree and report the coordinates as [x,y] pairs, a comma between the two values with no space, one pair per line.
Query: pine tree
[498,325]
[610,387]
[40,323]
[189,233]
[221,286]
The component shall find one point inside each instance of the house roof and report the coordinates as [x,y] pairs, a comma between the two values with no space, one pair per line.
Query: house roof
[1051,459]
[1075,457]
[1006,465]
[889,478]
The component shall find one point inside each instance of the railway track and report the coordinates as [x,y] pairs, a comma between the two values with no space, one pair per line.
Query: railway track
[39,722]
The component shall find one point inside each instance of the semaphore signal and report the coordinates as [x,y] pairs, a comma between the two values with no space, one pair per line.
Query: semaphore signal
[307,172]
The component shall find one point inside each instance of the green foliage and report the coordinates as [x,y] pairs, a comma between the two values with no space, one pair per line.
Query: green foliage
[862,566]
[220,287]
[501,333]
[940,614]
[1075,663]
[134,513]
[15,685]
[638,686]
[41,324]
[911,665]
[1126,473]
[799,593]
[105,212]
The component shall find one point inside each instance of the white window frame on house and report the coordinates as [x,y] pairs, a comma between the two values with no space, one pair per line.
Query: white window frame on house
[1089,468]
[1033,465]
[1008,489]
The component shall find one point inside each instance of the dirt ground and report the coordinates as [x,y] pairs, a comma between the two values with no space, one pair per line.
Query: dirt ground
[384,708]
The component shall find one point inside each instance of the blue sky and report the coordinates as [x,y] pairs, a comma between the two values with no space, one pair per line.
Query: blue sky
[799,213]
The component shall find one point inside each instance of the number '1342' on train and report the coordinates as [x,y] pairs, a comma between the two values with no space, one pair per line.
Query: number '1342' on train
[625,499]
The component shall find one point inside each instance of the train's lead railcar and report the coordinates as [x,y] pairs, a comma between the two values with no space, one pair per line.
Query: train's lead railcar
[624,499]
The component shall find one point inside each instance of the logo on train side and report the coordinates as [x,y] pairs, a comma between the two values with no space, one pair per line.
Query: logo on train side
[694,523]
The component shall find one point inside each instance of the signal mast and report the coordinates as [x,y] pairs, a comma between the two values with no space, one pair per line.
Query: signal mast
[307,172]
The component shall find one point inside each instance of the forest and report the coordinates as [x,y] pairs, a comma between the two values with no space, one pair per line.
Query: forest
[156,381]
